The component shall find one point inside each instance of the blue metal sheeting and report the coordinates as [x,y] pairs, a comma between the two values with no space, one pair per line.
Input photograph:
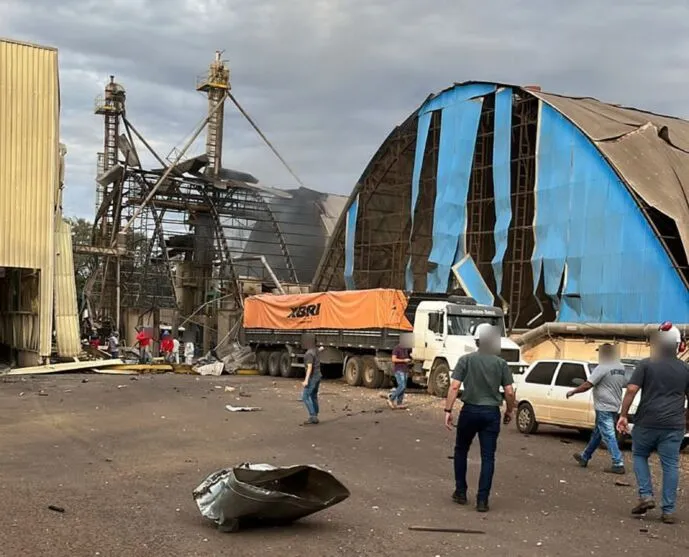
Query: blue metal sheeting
[469,277]
[423,125]
[502,145]
[350,233]
[460,117]
[592,237]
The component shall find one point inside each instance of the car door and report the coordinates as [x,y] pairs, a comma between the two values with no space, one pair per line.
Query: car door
[434,340]
[535,387]
[575,410]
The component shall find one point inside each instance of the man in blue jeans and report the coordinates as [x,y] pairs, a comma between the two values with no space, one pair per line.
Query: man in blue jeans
[401,358]
[660,420]
[482,373]
[608,381]
[312,380]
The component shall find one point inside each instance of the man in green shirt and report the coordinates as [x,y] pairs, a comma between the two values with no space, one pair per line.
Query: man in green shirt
[482,373]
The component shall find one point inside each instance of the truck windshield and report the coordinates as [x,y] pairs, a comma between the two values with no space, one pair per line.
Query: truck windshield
[463,325]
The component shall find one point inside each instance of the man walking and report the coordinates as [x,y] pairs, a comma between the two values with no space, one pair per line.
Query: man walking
[401,358]
[114,345]
[608,381]
[482,373]
[660,420]
[312,380]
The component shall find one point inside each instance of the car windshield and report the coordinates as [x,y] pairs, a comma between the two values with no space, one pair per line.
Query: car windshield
[463,325]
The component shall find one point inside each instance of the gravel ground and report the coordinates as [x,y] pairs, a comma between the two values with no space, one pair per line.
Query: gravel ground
[122,456]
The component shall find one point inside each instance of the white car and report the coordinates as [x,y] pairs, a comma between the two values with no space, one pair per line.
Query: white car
[542,396]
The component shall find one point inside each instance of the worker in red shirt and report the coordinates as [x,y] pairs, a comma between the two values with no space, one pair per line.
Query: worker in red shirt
[144,342]
[167,346]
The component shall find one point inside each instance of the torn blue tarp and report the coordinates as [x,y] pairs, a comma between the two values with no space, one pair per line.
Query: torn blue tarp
[350,234]
[591,238]
[455,157]
[423,125]
[502,144]
[471,281]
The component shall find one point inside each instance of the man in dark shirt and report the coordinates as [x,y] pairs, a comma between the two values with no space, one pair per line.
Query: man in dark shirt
[660,420]
[482,373]
[401,358]
[312,380]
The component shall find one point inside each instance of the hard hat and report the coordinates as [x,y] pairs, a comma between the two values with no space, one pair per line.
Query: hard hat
[484,331]
[669,334]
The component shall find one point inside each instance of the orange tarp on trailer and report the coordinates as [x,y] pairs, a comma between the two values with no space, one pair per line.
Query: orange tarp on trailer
[351,309]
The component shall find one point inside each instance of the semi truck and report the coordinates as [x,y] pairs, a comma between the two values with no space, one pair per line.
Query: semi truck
[358,329]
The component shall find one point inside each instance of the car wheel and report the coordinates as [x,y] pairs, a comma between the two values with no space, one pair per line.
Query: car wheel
[439,380]
[372,376]
[274,363]
[526,419]
[262,362]
[353,372]
[286,369]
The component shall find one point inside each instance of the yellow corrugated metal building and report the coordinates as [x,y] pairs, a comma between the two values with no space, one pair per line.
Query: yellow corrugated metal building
[29,184]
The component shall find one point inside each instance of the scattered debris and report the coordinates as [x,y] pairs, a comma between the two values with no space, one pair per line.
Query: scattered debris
[210,369]
[59,368]
[620,483]
[42,393]
[446,530]
[121,386]
[242,408]
[56,508]
[229,389]
[84,380]
[565,441]
[263,495]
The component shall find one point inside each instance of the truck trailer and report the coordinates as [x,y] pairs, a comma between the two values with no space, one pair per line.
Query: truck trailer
[358,329]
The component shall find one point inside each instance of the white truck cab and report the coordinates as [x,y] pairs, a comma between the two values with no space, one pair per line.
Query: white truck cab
[443,333]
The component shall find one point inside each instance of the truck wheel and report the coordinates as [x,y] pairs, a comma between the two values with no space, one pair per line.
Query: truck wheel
[353,372]
[286,364]
[526,419]
[439,380]
[372,376]
[274,364]
[262,362]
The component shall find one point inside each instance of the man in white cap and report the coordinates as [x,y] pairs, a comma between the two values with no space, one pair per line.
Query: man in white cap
[660,420]
[483,373]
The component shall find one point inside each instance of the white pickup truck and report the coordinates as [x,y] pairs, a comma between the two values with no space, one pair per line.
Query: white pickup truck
[542,397]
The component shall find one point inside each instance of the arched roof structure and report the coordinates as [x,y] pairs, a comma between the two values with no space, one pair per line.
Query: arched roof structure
[556,208]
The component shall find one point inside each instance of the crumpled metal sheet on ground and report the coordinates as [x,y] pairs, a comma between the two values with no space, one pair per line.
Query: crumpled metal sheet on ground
[262,495]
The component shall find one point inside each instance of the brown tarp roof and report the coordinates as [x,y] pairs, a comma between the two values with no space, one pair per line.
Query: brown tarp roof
[650,152]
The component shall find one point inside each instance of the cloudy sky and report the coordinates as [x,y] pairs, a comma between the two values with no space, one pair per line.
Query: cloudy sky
[328,79]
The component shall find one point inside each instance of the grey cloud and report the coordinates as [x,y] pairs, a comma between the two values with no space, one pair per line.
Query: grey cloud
[328,79]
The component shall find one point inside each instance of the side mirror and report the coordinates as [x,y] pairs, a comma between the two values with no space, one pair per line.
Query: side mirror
[578,382]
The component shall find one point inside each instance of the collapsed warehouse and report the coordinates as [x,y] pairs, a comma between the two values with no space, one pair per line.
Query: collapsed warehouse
[565,211]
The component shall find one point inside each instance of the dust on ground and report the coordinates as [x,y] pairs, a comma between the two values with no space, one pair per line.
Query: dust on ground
[122,455]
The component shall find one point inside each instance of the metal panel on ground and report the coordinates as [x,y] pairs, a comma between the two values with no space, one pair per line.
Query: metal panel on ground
[502,186]
[457,140]
[66,310]
[350,235]
[29,167]
[601,260]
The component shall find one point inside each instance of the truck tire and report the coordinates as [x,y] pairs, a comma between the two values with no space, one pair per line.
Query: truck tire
[274,363]
[286,369]
[372,376]
[353,372]
[439,380]
[262,362]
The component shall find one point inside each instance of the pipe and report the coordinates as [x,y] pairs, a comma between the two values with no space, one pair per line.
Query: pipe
[264,262]
[587,329]
[118,298]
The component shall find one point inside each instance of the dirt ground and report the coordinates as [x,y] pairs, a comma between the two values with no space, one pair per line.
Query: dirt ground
[122,456]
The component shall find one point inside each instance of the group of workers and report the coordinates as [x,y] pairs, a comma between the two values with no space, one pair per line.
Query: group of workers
[659,423]
[169,347]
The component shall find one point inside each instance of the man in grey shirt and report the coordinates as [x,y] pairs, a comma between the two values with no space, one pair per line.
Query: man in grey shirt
[660,420]
[608,380]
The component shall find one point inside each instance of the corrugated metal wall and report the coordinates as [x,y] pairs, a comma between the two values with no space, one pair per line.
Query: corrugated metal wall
[29,166]
[66,310]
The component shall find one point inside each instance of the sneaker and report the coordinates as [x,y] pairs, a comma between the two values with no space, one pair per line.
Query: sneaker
[615,470]
[391,404]
[482,506]
[644,506]
[580,459]
[668,518]
[311,421]
[459,498]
